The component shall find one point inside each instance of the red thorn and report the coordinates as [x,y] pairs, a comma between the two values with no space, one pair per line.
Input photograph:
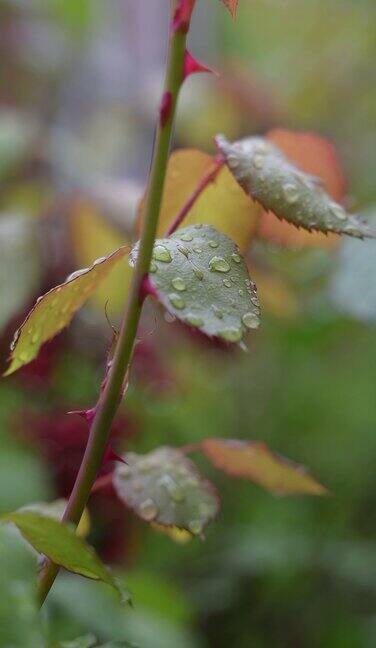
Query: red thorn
[192,66]
[111,455]
[87,414]
[165,108]
[182,16]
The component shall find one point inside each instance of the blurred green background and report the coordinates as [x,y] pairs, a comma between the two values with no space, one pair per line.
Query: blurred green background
[80,81]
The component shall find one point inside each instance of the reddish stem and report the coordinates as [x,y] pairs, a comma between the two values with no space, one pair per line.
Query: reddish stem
[209,177]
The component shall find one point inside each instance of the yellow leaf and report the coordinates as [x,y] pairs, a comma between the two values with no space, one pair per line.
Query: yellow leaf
[180,536]
[93,237]
[54,310]
[223,204]
[253,460]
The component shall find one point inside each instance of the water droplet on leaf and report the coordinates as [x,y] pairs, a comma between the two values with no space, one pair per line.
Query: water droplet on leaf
[231,334]
[236,258]
[250,320]
[290,192]
[177,301]
[213,244]
[148,510]
[194,320]
[161,253]
[219,264]
[178,284]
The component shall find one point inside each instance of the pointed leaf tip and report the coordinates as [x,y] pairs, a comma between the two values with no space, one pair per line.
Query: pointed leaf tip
[267,175]
[253,460]
[55,310]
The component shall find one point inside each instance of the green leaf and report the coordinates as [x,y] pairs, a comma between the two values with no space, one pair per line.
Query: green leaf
[282,188]
[199,277]
[253,460]
[165,487]
[89,641]
[55,309]
[61,544]
[55,510]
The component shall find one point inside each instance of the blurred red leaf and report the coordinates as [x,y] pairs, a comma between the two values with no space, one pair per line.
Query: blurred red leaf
[253,460]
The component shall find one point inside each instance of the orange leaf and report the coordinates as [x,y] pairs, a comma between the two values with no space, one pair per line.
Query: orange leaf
[223,204]
[314,155]
[256,462]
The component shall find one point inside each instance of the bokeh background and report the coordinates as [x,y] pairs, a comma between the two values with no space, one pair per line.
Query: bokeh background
[79,87]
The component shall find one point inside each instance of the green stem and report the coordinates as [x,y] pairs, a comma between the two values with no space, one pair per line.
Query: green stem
[111,395]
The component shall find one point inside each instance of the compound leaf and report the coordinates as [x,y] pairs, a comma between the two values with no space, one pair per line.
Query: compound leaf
[164,487]
[54,310]
[60,543]
[253,460]
[200,278]
[267,175]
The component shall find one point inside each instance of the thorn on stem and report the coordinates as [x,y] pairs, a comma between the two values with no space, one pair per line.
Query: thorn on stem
[87,414]
[192,66]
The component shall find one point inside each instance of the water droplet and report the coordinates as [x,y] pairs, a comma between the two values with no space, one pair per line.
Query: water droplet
[290,192]
[258,161]
[199,274]
[35,337]
[198,226]
[186,237]
[176,493]
[183,250]
[213,244]
[241,292]
[227,283]
[153,267]
[76,274]
[219,264]
[217,311]
[236,258]
[338,212]
[255,301]
[99,260]
[233,279]
[250,320]
[232,334]
[177,301]
[161,253]
[148,510]
[194,320]
[195,527]
[196,249]
[178,284]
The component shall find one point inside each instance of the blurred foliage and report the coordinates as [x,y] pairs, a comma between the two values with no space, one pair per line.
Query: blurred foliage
[77,110]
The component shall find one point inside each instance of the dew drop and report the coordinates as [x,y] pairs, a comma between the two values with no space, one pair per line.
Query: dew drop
[196,249]
[250,320]
[199,274]
[195,527]
[99,260]
[217,311]
[213,244]
[153,267]
[76,274]
[338,212]
[241,292]
[255,301]
[177,301]
[219,264]
[290,192]
[227,283]
[183,250]
[233,279]
[161,253]
[175,492]
[194,320]
[186,237]
[258,161]
[236,258]
[178,284]
[148,510]
[232,334]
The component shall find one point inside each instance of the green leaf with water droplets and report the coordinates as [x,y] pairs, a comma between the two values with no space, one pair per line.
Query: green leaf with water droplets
[164,487]
[60,543]
[269,177]
[253,460]
[200,278]
[54,310]
[89,641]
